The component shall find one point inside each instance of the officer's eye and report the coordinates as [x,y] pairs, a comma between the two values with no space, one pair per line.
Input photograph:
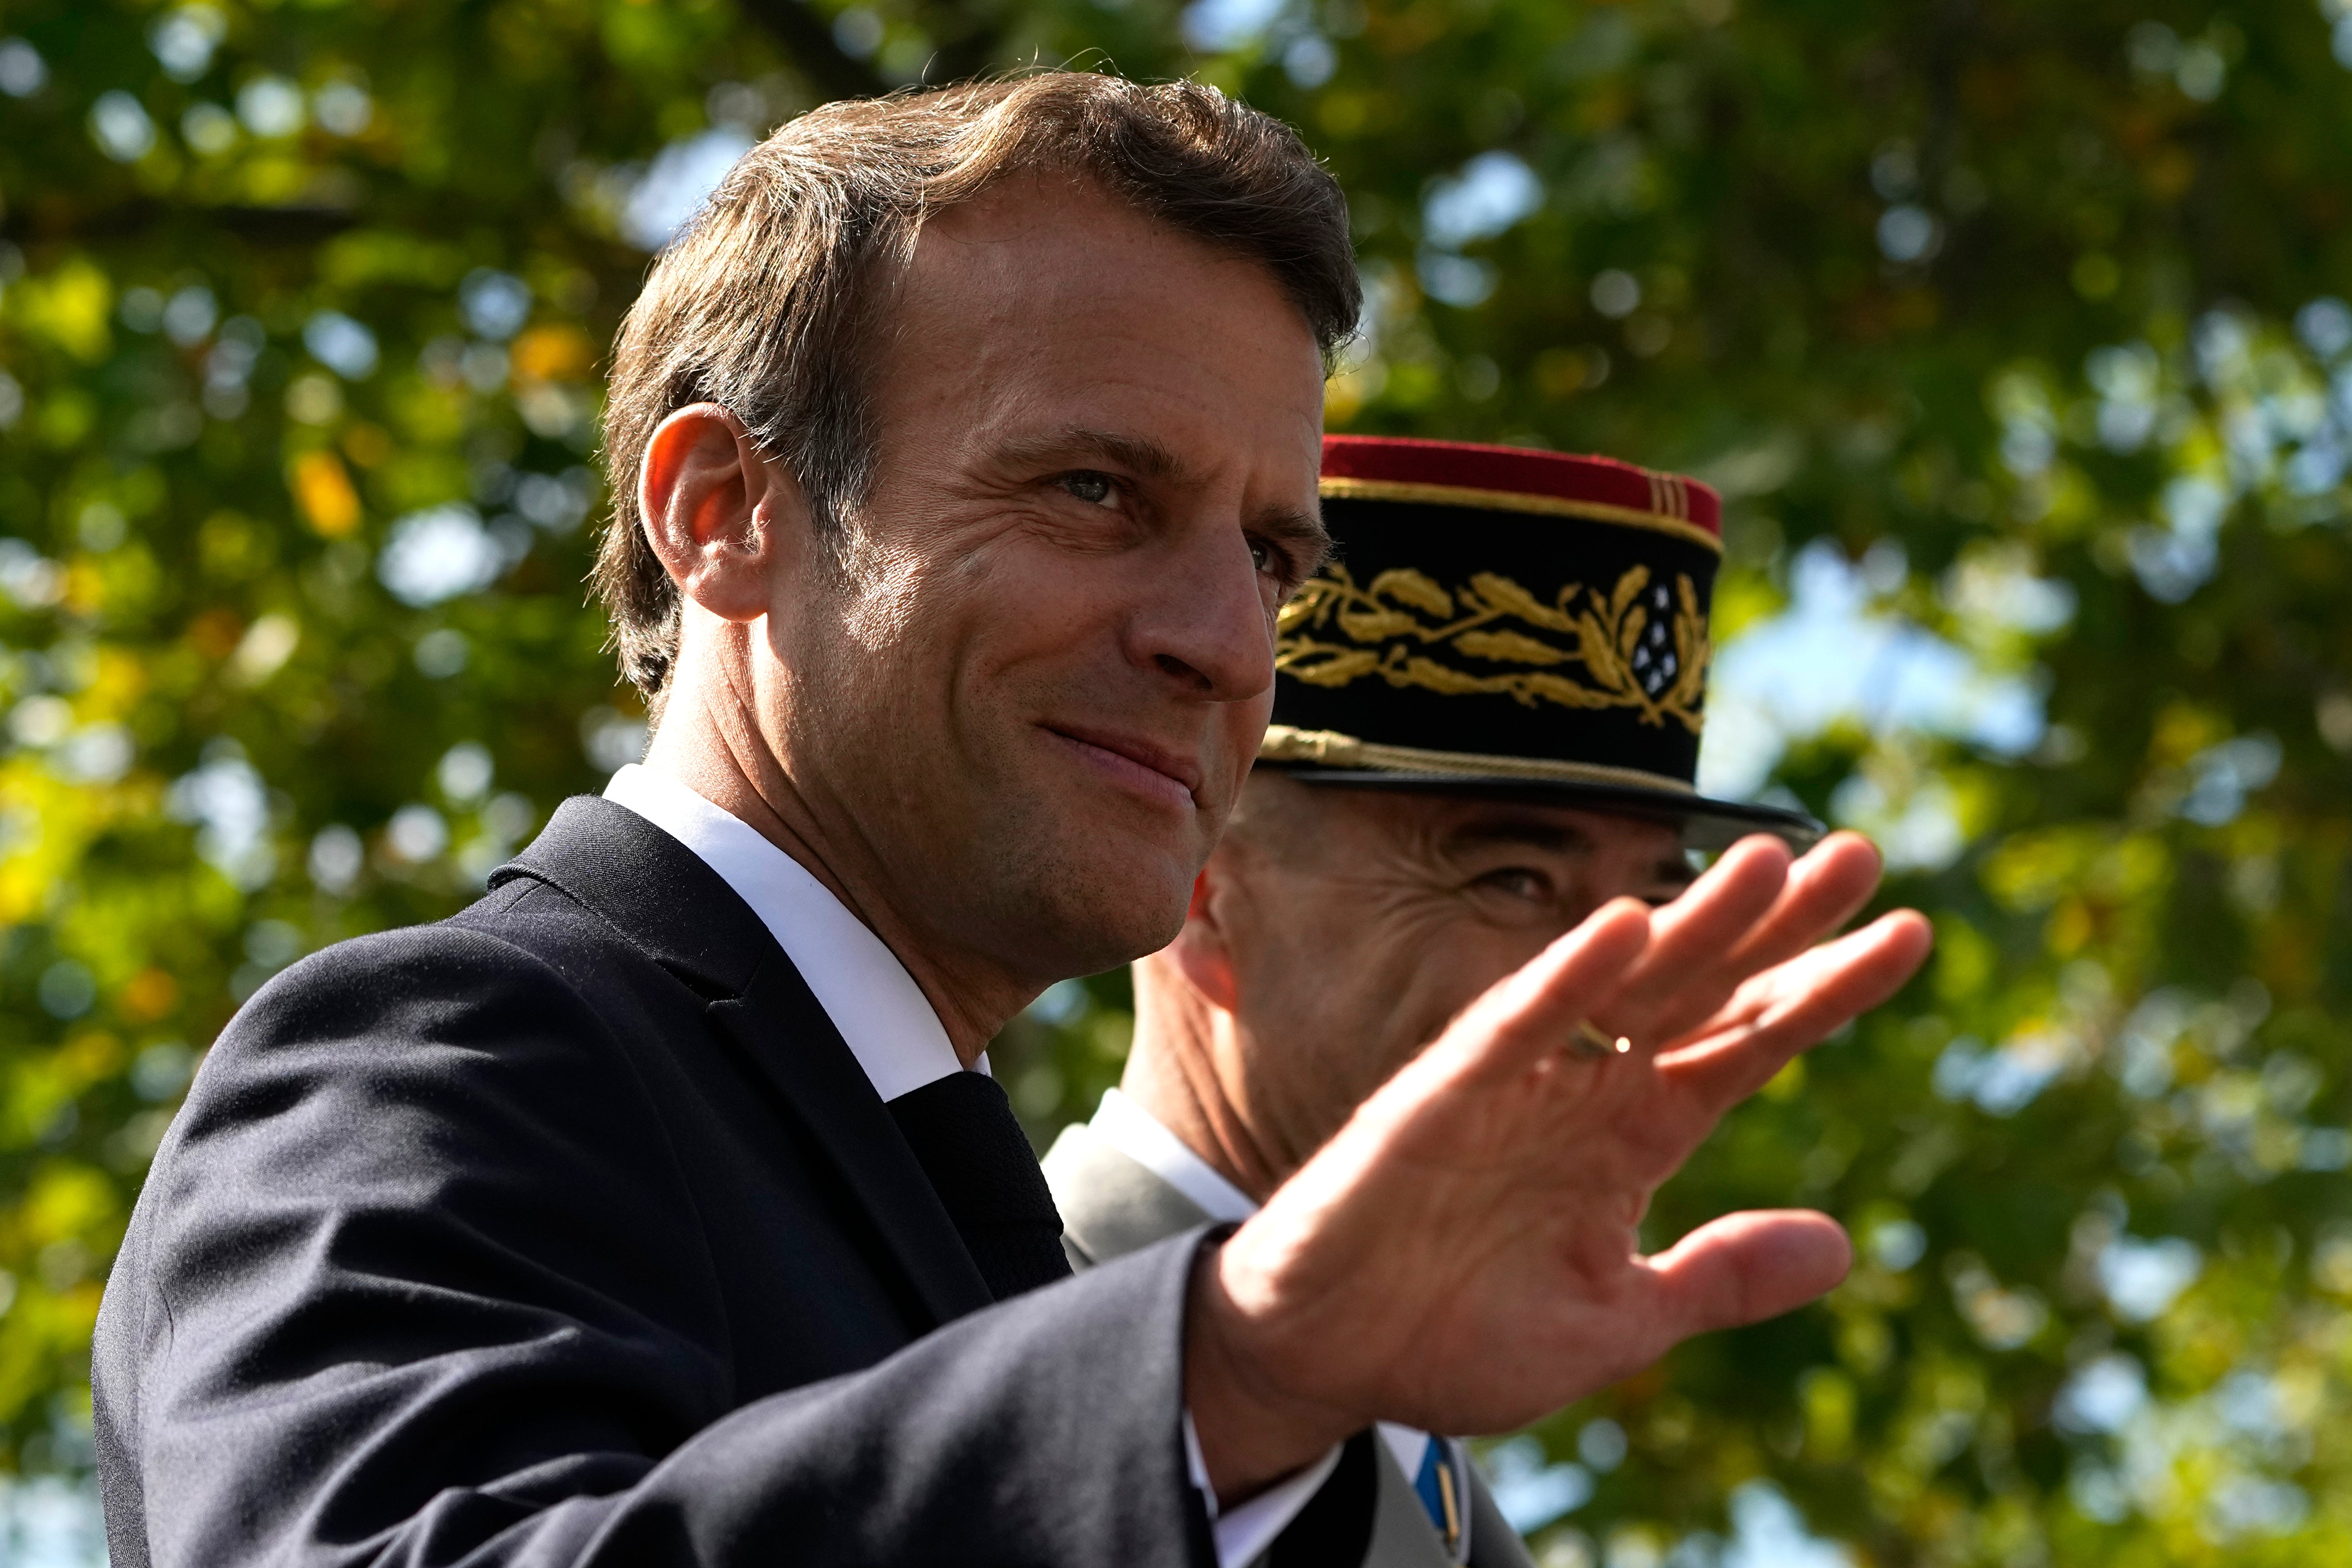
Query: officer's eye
[1090,487]
[1675,878]
[1517,882]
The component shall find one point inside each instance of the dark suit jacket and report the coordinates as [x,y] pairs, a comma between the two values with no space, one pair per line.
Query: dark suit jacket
[569,1231]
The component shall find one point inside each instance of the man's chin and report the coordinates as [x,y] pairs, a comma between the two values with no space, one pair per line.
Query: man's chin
[1100,908]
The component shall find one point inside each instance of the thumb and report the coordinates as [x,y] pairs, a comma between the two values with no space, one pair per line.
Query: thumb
[1744,1268]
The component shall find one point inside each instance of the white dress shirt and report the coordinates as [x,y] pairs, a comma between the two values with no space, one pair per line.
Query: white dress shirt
[892,1029]
[1138,1134]
[883,1015]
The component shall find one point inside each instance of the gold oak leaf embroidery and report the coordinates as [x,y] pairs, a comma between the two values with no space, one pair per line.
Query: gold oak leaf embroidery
[1637,647]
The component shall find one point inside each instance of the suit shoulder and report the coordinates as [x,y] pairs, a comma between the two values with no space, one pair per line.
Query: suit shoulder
[415,974]
[523,943]
[526,1014]
[433,1076]
[524,1005]
[586,937]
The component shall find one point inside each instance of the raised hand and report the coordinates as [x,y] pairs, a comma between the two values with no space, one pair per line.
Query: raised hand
[1464,1255]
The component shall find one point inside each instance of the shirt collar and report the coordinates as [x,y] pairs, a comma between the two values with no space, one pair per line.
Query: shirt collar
[1138,1134]
[888,1023]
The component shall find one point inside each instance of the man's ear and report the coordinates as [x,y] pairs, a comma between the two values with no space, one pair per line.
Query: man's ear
[1202,952]
[722,517]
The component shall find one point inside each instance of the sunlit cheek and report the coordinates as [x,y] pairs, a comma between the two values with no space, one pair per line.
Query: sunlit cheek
[891,603]
[1044,639]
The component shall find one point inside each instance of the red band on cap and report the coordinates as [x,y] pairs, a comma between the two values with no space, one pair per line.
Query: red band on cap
[1517,470]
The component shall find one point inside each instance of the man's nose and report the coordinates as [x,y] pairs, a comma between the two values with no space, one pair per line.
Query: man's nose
[1205,624]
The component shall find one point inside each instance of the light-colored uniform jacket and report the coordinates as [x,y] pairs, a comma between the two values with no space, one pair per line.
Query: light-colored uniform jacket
[1110,1205]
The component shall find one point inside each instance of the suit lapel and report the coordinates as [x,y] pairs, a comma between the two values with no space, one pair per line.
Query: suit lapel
[662,897]
[1402,1535]
[1492,1543]
[779,1024]
[1110,1204]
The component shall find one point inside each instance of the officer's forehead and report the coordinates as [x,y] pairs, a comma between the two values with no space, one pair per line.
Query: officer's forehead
[1437,820]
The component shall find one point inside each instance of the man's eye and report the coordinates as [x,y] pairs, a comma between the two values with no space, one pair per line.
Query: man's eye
[1519,882]
[1264,556]
[1092,488]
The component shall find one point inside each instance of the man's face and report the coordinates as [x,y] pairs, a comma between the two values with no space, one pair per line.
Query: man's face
[1035,700]
[1357,922]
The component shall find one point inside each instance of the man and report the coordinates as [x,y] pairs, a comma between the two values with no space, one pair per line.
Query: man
[649,1210]
[1459,770]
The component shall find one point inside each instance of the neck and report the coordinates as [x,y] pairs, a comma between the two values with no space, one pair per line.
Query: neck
[1180,1039]
[709,742]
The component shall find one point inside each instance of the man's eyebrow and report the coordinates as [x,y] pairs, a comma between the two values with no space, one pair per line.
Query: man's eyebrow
[1078,444]
[1302,531]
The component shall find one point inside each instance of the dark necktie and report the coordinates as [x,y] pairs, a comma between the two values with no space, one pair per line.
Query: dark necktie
[1335,1529]
[963,1133]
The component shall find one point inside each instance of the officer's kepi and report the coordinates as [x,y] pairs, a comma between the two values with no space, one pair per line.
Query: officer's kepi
[1499,621]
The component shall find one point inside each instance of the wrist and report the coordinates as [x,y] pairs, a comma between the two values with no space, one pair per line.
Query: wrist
[1253,1428]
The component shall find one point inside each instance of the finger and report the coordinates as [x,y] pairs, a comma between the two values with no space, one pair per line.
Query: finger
[1796,1006]
[1531,1011]
[1825,890]
[1821,893]
[1744,1268]
[1690,938]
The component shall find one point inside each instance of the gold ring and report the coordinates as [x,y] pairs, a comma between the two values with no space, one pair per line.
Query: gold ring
[1593,1046]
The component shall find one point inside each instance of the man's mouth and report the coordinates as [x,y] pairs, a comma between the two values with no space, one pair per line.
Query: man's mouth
[1143,765]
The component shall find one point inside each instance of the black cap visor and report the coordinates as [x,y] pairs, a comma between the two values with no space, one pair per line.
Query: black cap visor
[1708,826]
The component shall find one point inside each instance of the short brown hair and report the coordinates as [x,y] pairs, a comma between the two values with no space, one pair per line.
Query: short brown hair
[761,305]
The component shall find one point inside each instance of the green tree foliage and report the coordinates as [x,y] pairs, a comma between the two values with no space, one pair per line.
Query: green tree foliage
[2012,323]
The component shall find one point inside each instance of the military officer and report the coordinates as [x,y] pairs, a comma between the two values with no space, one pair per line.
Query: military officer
[1487,725]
